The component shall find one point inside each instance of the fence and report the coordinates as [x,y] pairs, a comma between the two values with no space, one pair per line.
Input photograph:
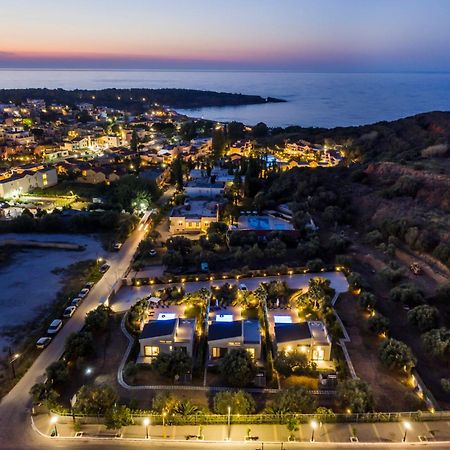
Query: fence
[217,419]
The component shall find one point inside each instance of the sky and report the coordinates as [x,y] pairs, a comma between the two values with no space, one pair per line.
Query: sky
[303,35]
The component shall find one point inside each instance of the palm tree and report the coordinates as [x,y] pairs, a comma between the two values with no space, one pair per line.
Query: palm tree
[186,408]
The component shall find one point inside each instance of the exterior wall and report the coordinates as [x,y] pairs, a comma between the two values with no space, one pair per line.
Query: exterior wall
[226,344]
[41,179]
[183,225]
[165,344]
[307,346]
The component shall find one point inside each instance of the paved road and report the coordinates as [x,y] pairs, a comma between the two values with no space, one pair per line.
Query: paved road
[13,414]
[128,295]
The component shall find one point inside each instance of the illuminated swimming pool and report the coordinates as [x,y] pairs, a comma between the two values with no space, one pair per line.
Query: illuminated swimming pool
[224,318]
[166,316]
[282,319]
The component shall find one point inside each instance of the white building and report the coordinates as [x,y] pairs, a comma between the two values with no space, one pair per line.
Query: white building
[21,183]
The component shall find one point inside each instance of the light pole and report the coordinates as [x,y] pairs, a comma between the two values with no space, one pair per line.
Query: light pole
[164,414]
[229,422]
[313,427]
[407,426]
[53,421]
[146,423]
[11,361]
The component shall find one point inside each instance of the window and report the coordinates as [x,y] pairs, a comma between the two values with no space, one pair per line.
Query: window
[216,352]
[252,352]
[151,351]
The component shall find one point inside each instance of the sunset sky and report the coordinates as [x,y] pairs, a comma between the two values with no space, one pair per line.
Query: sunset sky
[309,35]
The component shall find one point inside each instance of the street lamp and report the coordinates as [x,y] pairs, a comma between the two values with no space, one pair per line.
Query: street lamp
[11,361]
[146,423]
[164,414]
[407,426]
[53,421]
[229,422]
[313,427]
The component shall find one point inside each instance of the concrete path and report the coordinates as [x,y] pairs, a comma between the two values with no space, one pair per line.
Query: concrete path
[128,295]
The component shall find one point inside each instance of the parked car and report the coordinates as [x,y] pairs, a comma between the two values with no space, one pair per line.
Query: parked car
[89,285]
[76,302]
[83,292]
[243,287]
[55,326]
[43,342]
[152,252]
[104,268]
[68,312]
[117,246]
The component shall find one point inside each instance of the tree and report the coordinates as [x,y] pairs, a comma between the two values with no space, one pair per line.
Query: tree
[424,317]
[443,292]
[367,300]
[57,372]
[355,395]
[407,294]
[240,402]
[236,130]
[288,363]
[42,393]
[260,130]
[218,143]
[396,355]
[238,368]
[96,399]
[97,319]
[79,345]
[275,249]
[437,342]
[294,400]
[141,202]
[118,417]
[378,324]
[134,141]
[186,408]
[177,172]
[292,426]
[164,402]
[445,384]
[175,363]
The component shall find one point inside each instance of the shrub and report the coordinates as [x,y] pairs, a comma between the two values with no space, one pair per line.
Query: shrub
[367,300]
[96,399]
[240,402]
[424,317]
[97,319]
[118,417]
[57,372]
[175,363]
[288,363]
[396,355]
[407,294]
[437,342]
[355,395]
[238,368]
[378,324]
[79,345]
[294,400]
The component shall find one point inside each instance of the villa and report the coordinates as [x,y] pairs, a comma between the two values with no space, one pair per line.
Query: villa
[165,334]
[194,216]
[225,335]
[311,338]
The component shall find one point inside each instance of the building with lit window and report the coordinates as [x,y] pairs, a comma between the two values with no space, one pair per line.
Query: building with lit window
[311,338]
[224,336]
[194,216]
[164,335]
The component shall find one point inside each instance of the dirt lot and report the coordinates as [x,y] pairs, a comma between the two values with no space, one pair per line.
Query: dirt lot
[389,392]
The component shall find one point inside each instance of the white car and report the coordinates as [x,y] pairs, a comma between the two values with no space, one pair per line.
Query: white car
[243,287]
[43,342]
[76,302]
[104,268]
[68,312]
[55,326]
[89,285]
[83,292]
[152,252]
[117,246]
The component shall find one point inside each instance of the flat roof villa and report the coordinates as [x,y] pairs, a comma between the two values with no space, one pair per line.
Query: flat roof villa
[310,338]
[204,188]
[225,335]
[193,217]
[263,223]
[165,334]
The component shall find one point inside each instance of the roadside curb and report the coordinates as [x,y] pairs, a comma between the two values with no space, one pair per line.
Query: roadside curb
[196,442]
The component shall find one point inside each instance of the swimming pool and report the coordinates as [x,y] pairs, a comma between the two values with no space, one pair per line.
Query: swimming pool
[224,318]
[166,316]
[282,319]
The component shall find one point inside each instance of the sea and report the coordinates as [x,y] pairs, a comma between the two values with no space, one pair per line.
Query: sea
[312,99]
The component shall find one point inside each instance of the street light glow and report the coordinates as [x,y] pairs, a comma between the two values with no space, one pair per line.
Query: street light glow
[146,422]
[53,420]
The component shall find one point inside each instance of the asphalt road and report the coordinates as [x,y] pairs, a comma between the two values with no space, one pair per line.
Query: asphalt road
[14,415]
